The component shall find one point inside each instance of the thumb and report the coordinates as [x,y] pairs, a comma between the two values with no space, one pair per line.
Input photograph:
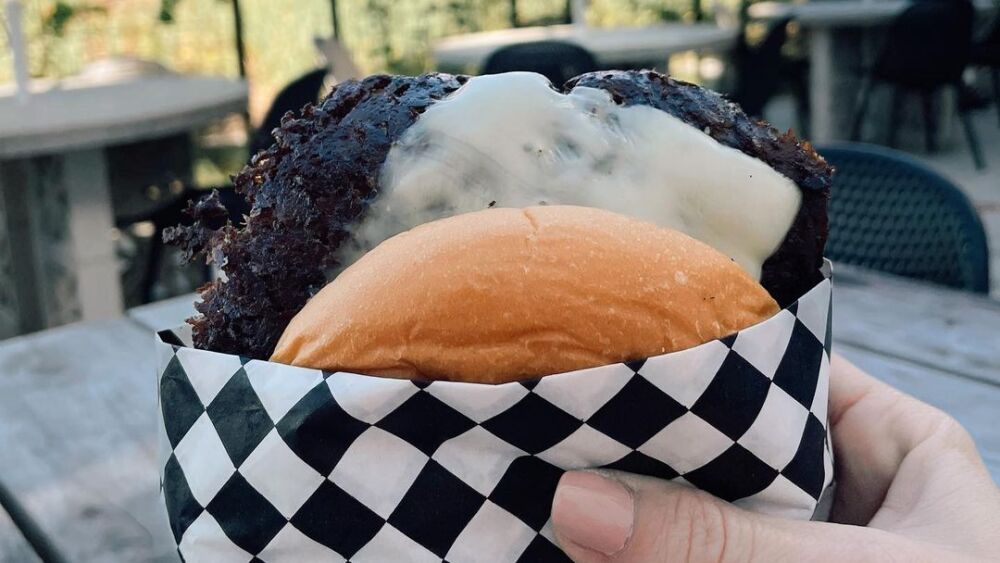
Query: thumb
[600,517]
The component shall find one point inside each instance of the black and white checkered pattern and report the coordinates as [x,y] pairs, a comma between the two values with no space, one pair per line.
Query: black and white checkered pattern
[268,462]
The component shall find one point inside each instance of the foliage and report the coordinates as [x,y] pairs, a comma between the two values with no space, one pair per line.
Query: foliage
[54,24]
[197,35]
[58,18]
[168,7]
[167,10]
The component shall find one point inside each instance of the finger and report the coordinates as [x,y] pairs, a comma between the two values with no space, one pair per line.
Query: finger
[874,428]
[616,517]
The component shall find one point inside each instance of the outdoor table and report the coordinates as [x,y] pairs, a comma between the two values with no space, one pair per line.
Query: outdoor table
[78,405]
[611,46]
[57,257]
[836,40]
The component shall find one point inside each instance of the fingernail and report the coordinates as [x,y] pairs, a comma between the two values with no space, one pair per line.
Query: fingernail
[593,512]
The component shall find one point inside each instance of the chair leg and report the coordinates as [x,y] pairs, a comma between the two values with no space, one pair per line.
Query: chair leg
[894,113]
[802,107]
[970,136]
[930,121]
[152,266]
[996,90]
[861,107]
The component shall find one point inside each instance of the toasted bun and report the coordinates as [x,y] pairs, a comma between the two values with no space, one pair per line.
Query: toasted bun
[508,294]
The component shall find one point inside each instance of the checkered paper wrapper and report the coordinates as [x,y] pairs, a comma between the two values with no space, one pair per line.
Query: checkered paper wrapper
[268,462]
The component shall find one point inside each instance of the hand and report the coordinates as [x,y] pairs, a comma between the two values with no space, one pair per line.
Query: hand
[910,487]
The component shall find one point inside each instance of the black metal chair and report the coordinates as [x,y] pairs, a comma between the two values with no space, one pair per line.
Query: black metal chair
[303,90]
[293,97]
[556,60]
[925,50]
[762,71]
[986,53]
[892,213]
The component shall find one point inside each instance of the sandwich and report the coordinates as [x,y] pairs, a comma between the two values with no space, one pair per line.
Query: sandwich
[414,226]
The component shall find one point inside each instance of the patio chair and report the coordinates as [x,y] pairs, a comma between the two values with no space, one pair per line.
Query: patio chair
[293,97]
[556,60]
[303,90]
[986,53]
[892,213]
[925,50]
[762,71]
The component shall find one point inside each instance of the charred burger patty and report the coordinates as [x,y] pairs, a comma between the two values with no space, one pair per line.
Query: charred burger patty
[322,174]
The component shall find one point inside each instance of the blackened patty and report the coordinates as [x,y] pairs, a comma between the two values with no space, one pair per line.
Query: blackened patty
[323,170]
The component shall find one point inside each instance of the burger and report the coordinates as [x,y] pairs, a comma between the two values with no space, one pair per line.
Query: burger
[498,228]
[495,280]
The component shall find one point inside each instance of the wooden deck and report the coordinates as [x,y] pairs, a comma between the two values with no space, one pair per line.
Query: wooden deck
[78,406]
[13,546]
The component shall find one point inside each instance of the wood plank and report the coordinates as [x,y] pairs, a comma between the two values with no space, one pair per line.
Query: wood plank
[972,403]
[610,46]
[844,13]
[78,426]
[13,546]
[72,114]
[953,331]
[168,313]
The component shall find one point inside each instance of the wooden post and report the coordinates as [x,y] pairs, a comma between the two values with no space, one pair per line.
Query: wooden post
[240,46]
[18,48]
[241,56]
[336,22]
[578,12]
[88,195]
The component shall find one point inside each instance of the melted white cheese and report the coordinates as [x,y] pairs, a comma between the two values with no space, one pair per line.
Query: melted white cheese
[513,140]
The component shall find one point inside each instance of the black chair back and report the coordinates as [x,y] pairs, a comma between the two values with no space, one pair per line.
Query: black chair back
[928,45]
[556,60]
[303,90]
[758,69]
[890,212]
[992,36]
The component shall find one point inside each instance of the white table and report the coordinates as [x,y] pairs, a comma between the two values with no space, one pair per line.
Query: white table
[835,39]
[842,13]
[54,184]
[610,46]
[78,405]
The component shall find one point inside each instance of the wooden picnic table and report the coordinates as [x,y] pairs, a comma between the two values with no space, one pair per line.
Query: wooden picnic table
[78,405]
[57,253]
[841,13]
[611,46]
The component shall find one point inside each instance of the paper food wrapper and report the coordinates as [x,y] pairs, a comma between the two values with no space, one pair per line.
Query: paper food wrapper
[267,462]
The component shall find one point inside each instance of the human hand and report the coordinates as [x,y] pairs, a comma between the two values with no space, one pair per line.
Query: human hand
[910,487]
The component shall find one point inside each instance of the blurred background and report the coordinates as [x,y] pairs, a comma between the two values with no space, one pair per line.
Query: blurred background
[199,36]
[211,72]
[114,114]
